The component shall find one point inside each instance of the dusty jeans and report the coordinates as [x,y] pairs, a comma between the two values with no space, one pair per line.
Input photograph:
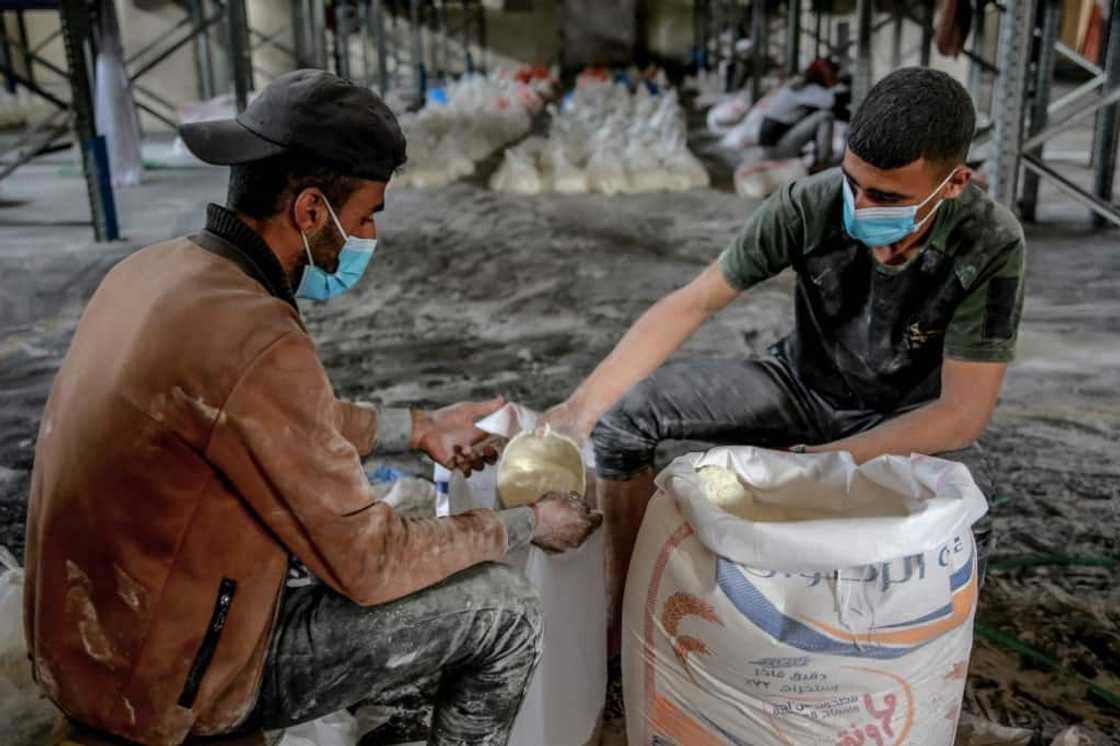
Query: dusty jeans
[478,633]
[756,402]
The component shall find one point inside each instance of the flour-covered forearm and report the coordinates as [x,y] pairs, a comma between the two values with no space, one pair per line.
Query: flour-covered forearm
[276,442]
[656,335]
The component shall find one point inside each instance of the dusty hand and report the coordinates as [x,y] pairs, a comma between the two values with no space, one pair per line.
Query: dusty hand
[450,437]
[563,521]
[567,418]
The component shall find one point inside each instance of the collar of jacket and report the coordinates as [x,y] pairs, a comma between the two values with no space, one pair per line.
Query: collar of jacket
[228,236]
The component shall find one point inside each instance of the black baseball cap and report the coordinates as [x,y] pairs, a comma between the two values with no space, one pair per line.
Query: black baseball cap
[313,113]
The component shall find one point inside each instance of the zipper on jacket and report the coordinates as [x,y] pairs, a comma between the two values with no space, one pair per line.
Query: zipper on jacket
[209,642]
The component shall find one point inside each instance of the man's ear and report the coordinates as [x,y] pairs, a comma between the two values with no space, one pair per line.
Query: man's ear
[958,181]
[308,211]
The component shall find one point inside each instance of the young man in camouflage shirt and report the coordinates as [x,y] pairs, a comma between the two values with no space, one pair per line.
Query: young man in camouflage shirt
[906,317]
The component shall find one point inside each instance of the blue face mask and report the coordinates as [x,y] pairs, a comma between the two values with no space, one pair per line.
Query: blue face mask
[883,226]
[355,256]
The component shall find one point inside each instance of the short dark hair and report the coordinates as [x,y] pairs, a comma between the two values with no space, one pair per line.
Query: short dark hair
[913,113]
[260,189]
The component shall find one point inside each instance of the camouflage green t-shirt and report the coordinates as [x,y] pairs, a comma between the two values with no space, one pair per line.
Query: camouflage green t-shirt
[874,336]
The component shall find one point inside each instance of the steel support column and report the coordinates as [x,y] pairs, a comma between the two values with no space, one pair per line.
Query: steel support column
[202,60]
[1013,60]
[21,29]
[927,31]
[793,37]
[861,75]
[1051,16]
[896,38]
[420,84]
[6,55]
[77,36]
[377,23]
[481,33]
[1105,136]
[297,14]
[444,54]
[975,71]
[343,18]
[361,11]
[240,53]
[758,45]
[318,33]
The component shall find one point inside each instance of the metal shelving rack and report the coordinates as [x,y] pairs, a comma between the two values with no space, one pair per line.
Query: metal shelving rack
[1100,98]
[1021,95]
[75,114]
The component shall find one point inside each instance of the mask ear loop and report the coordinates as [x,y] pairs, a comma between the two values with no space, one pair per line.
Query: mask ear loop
[337,224]
[307,248]
[940,202]
[937,189]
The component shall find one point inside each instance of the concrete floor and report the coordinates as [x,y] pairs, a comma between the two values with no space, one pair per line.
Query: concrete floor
[475,293]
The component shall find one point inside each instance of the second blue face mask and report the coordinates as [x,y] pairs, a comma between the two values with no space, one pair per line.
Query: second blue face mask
[355,256]
[883,226]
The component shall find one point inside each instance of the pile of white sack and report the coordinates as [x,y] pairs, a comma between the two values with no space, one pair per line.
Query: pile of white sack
[482,113]
[608,140]
[18,109]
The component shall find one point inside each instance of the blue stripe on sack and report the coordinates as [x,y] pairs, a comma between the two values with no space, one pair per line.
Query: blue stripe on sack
[957,581]
[758,610]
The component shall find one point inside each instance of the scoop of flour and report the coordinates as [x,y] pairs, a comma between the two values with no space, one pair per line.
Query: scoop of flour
[722,486]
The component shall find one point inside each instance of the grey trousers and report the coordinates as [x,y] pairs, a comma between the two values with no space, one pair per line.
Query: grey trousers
[478,633]
[756,402]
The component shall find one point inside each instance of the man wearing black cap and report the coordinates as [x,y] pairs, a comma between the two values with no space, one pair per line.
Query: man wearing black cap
[192,444]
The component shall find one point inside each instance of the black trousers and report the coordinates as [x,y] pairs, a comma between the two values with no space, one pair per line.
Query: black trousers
[478,634]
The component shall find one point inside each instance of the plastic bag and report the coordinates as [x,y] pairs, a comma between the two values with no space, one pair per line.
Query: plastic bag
[827,604]
[477,115]
[565,697]
[975,731]
[337,729]
[758,179]
[563,175]
[27,714]
[606,174]
[728,112]
[518,173]
[607,139]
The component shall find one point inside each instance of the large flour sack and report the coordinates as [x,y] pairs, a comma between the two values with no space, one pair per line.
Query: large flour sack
[814,602]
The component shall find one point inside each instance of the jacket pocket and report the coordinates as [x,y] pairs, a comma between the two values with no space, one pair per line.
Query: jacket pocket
[205,654]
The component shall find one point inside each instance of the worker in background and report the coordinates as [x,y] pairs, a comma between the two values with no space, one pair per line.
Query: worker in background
[192,444]
[907,304]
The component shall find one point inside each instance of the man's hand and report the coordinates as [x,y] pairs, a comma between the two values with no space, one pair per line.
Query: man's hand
[568,418]
[563,521]
[449,435]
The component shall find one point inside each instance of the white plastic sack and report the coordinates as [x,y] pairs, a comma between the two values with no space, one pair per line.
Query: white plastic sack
[519,172]
[841,613]
[686,171]
[975,731]
[606,174]
[758,179]
[565,698]
[337,729]
[26,713]
[728,112]
[564,176]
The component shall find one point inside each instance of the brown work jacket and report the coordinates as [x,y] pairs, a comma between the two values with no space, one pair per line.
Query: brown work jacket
[191,442]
